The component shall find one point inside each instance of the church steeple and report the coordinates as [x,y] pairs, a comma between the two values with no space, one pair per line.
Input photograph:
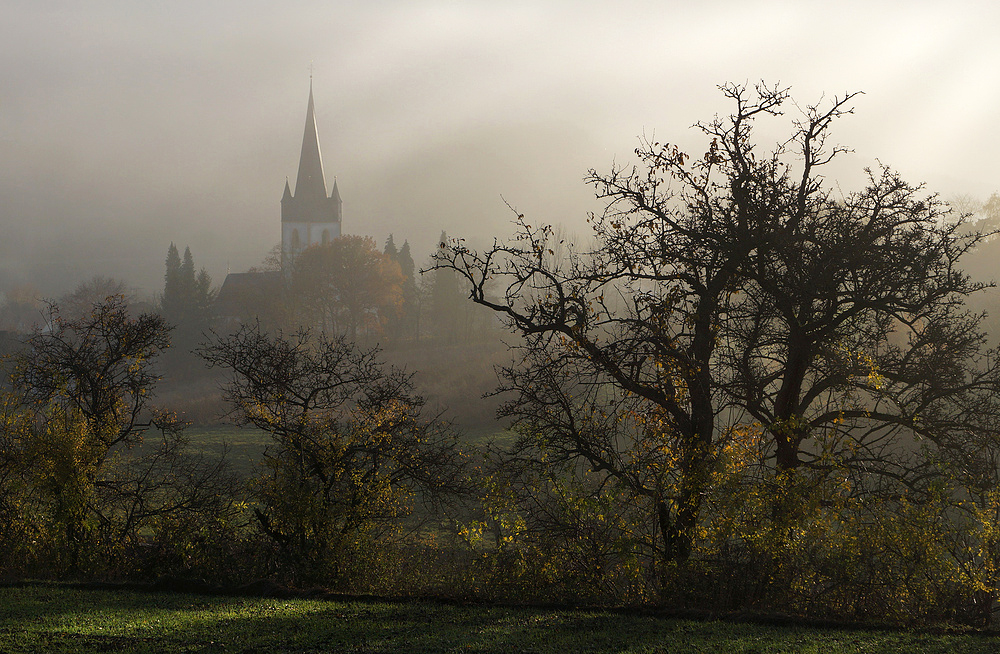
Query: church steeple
[311,183]
[309,216]
[335,195]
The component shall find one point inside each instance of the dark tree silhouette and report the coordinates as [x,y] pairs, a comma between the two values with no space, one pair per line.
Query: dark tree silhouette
[102,463]
[733,289]
[352,450]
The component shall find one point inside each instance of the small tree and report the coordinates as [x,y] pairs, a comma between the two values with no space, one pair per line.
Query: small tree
[351,453]
[83,388]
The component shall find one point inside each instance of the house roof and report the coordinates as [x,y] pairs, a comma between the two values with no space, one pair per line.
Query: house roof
[241,292]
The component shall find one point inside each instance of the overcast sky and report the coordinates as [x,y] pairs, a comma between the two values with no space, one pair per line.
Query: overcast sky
[127,125]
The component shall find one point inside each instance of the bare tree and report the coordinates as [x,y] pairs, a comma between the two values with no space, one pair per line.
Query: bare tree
[91,293]
[351,450]
[730,289]
[82,389]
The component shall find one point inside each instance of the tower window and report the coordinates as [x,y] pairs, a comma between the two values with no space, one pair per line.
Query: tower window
[296,243]
[326,237]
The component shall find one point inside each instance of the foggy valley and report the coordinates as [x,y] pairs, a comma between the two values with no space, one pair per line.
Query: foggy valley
[648,306]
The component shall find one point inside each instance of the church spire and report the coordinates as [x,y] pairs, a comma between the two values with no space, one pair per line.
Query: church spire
[335,194]
[309,217]
[310,185]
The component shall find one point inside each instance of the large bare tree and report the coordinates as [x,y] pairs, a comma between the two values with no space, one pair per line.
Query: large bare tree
[731,289]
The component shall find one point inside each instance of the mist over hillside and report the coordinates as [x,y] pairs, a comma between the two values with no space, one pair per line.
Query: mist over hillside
[122,131]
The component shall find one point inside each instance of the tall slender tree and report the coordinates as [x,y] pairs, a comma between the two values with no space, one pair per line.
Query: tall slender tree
[390,248]
[410,315]
[187,305]
[188,280]
[172,294]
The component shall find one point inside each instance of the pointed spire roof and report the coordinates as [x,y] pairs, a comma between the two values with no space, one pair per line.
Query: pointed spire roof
[311,183]
[335,193]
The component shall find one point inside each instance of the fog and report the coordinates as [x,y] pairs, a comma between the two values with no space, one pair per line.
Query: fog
[125,126]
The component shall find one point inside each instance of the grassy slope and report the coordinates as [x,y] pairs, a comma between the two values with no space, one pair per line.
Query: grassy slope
[244,447]
[58,619]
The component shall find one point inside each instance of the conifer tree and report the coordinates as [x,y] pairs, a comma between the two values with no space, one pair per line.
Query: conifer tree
[409,320]
[171,302]
[203,294]
[186,305]
[390,248]
[405,260]
[187,280]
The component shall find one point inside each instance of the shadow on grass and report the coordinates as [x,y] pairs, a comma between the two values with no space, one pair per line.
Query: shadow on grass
[57,618]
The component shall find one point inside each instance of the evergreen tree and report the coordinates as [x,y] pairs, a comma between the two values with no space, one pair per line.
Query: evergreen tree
[187,279]
[203,294]
[405,260]
[409,320]
[186,305]
[390,248]
[171,303]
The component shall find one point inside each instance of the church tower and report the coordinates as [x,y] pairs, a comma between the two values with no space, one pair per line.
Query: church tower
[310,216]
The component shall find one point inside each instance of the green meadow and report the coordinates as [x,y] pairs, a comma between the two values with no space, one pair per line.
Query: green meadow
[243,447]
[57,618]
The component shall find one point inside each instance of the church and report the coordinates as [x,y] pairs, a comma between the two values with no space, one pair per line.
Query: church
[309,216]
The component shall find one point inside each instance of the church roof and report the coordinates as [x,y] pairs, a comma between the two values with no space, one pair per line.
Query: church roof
[244,293]
[310,185]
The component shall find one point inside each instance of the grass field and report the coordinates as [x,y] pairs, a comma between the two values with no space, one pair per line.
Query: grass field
[54,618]
[244,447]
